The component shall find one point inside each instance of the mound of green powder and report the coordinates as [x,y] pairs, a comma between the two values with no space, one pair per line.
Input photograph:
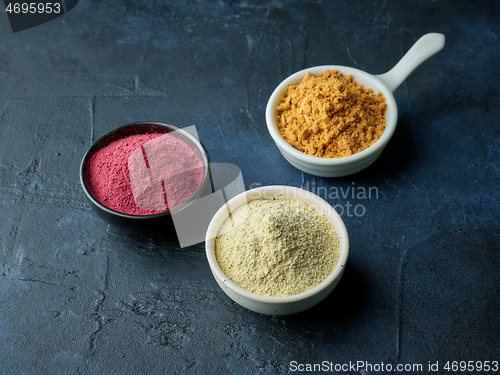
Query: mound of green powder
[277,247]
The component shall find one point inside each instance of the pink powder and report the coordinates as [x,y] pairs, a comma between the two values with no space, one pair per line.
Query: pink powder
[139,176]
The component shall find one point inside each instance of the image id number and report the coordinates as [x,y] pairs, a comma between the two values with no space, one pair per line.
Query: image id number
[471,366]
[25,8]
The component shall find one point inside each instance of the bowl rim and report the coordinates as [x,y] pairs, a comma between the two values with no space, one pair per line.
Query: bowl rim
[253,194]
[295,78]
[159,124]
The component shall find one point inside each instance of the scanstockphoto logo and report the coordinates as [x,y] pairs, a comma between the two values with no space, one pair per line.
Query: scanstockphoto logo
[27,14]
[163,175]
[155,170]
[348,201]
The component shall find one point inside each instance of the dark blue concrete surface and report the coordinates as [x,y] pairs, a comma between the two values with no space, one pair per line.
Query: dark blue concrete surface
[422,283]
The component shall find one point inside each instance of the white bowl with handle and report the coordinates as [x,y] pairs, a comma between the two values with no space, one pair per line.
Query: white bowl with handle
[386,83]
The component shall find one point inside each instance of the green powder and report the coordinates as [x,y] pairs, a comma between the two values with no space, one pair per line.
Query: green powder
[277,247]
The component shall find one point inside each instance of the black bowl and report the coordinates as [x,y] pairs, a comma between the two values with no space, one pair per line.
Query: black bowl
[155,223]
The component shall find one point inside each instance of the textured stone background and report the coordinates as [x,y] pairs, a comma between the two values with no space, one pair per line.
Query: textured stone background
[80,297]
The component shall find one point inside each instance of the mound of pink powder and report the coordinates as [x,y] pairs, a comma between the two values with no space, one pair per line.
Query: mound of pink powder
[162,170]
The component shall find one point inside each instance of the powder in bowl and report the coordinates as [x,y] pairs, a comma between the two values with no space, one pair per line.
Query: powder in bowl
[277,247]
[330,115]
[145,173]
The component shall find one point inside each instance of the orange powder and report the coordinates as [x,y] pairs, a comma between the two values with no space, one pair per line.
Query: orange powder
[330,115]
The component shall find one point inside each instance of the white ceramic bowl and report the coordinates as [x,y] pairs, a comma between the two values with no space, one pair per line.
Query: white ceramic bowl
[278,305]
[386,83]
[332,167]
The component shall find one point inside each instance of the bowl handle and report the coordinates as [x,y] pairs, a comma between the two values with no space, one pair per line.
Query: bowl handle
[425,47]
